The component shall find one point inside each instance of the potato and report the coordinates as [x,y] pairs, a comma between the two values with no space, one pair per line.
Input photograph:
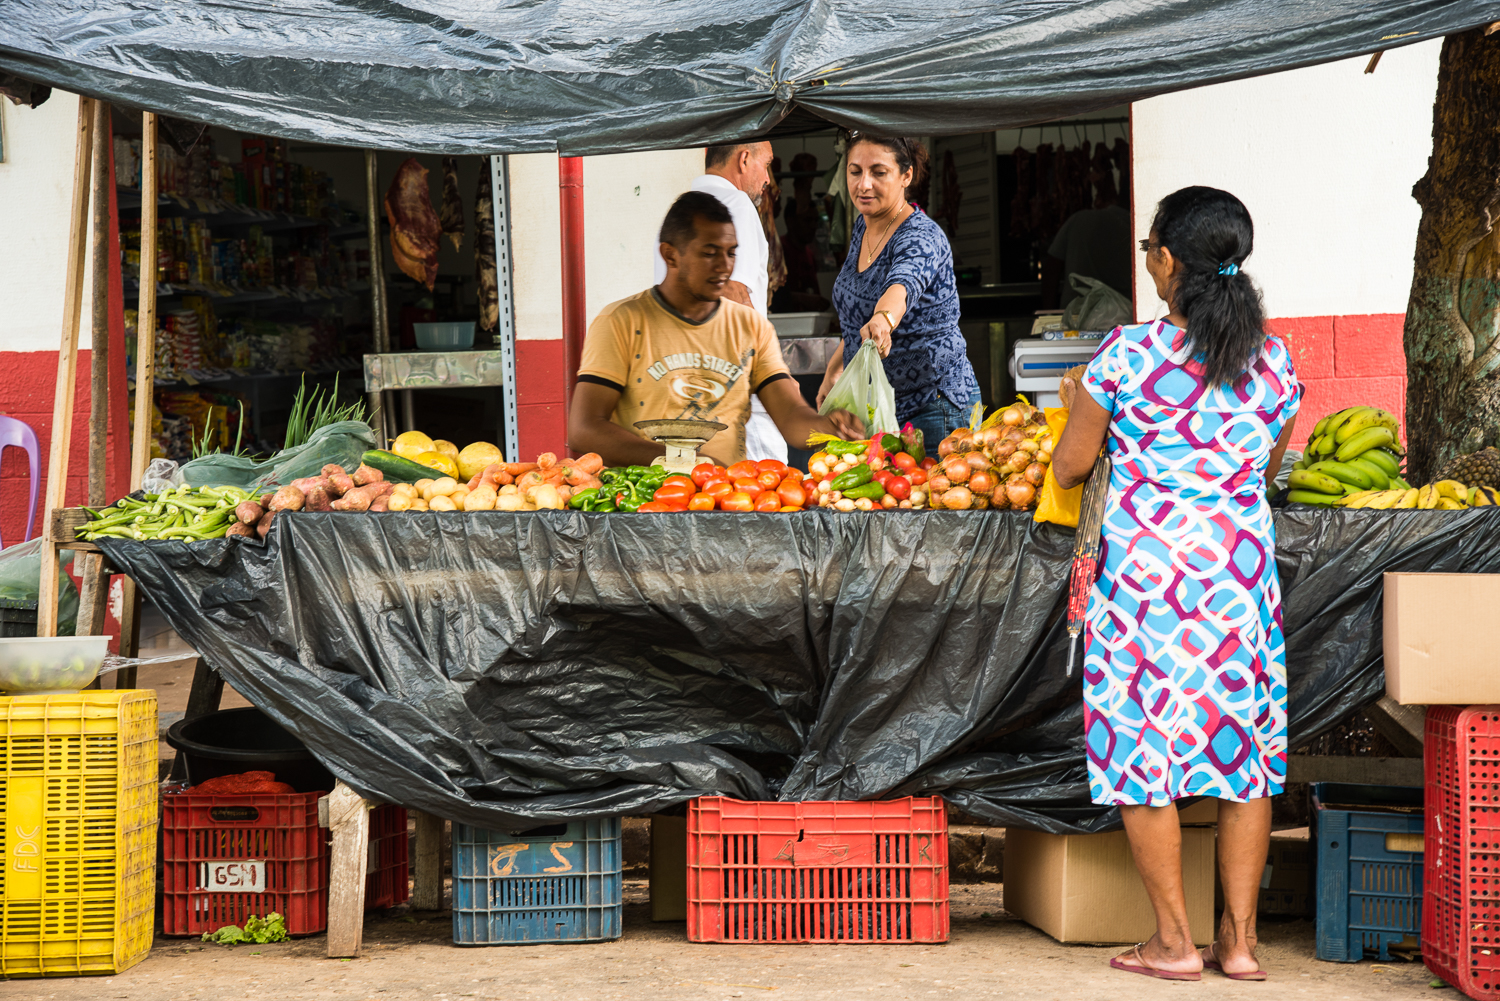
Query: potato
[440,487]
[482,499]
[419,505]
[405,488]
[510,488]
[509,502]
[398,502]
[457,497]
[442,503]
[422,484]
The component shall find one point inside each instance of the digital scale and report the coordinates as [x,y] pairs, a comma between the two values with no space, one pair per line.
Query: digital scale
[1038,365]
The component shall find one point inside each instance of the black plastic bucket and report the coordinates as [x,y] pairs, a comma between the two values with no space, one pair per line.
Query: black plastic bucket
[232,741]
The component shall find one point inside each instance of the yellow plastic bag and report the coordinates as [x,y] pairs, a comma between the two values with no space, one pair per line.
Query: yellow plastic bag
[1054,504]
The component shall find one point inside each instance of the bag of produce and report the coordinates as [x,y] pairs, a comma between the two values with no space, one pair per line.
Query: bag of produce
[343,443]
[21,580]
[1098,308]
[864,391]
[1053,503]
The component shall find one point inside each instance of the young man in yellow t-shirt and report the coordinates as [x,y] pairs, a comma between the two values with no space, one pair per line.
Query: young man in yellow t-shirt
[680,350]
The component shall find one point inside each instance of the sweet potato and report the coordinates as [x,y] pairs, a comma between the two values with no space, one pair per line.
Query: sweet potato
[333,469]
[340,483]
[318,499]
[265,524]
[306,483]
[365,475]
[248,512]
[265,499]
[287,499]
[360,498]
[242,529]
[380,503]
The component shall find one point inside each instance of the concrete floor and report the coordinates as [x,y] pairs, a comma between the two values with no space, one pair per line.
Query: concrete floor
[410,957]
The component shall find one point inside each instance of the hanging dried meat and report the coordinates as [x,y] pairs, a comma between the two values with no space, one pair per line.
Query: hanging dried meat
[452,213]
[1020,205]
[414,225]
[1121,154]
[1044,220]
[486,276]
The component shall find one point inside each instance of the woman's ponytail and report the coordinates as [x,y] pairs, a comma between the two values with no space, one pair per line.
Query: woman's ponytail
[1210,234]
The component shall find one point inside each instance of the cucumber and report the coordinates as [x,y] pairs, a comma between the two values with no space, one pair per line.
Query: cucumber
[397,469]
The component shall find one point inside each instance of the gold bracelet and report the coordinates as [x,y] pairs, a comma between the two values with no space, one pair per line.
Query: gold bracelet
[887,314]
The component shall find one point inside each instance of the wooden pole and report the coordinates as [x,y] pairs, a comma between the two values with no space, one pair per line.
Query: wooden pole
[349,824]
[94,593]
[67,367]
[378,320]
[145,379]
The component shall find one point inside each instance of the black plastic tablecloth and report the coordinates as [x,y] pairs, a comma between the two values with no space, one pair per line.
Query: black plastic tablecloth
[499,669]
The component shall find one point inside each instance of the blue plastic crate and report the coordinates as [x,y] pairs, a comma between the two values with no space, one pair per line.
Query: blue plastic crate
[1369,888]
[559,883]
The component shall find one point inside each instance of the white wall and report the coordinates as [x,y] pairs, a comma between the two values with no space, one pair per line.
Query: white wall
[625,198]
[536,246]
[36,190]
[1324,158]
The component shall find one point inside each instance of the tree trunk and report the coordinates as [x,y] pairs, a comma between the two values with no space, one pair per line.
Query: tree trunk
[1452,334]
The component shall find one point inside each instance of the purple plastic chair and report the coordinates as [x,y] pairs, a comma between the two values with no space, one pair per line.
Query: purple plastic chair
[14,432]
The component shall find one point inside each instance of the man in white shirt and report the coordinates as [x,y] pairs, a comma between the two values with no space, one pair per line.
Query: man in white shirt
[736,175]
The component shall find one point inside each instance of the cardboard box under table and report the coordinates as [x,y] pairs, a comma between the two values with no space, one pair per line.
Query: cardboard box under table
[1442,638]
[1084,888]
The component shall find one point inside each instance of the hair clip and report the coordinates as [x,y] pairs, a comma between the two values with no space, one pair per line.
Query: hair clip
[1229,268]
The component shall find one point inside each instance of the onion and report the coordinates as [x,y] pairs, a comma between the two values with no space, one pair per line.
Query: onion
[983,481]
[977,460]
[1045,443]
[1035,474]
[1016,435]
[1020,494]
[958,499]
[981,502]
[1044,457]
[1012,417]
[999,501]
[988,436]
[938,483]
[1028,446]
[956,469]
[1005,449]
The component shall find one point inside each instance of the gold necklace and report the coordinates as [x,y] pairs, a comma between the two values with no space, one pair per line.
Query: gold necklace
[883,238]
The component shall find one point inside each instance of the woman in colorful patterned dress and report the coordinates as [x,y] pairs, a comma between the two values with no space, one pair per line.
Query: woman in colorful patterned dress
[1185,667]
[897,288]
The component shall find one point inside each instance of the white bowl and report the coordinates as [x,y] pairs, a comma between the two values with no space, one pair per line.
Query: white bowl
[50,665]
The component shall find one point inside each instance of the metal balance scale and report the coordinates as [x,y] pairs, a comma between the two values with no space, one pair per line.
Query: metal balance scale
[682,439]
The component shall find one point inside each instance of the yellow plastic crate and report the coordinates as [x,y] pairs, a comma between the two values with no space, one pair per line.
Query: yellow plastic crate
[78,804]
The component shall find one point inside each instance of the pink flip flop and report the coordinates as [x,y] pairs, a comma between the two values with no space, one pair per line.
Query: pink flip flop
[1210,962]
[1150,971]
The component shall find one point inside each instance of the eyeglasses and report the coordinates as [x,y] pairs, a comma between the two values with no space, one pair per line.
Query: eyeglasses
[1147,246]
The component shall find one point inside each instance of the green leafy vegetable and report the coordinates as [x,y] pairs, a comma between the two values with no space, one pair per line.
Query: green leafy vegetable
[257,931]
[311,411]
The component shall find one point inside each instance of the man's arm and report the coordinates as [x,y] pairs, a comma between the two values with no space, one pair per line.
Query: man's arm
[591,430]
[796,420]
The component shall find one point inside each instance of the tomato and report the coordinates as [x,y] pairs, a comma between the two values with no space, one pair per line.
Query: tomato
[791,493]
[772,466]
[917,477]
[750,486]
[768,480]
[928,462]
[768,501]
[788,509]
[705,471]
[657,507]
[718,489]
[898,487]
[744,470]
[680,480]
[737,501]
[702,502]
[675,493]
[882,476]
[904,461]
[809,487]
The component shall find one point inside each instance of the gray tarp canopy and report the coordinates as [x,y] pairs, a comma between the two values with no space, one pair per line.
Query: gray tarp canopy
[515,76]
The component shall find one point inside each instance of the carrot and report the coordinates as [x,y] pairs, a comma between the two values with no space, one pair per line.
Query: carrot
[518,468]
[590,462]
[547,460]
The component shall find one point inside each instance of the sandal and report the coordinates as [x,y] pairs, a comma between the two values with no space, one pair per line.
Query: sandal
[1150,971]
[1211,962]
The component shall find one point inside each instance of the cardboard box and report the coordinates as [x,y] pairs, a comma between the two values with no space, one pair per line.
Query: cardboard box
[668,868]
[1442,638]
[1085,888]
[1286,887]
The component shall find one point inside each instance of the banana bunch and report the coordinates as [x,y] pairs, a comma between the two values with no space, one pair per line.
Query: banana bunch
[1444,495]
[1352,452]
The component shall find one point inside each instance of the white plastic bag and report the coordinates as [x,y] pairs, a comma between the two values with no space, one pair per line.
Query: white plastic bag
[864,391]
[1098,308]
[160,476]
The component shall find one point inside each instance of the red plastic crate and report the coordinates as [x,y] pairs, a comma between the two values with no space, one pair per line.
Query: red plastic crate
[282,830]
[835,871]
[1461,865]
[388,884]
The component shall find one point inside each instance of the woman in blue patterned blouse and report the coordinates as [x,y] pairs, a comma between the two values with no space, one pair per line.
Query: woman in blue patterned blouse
[897,288]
